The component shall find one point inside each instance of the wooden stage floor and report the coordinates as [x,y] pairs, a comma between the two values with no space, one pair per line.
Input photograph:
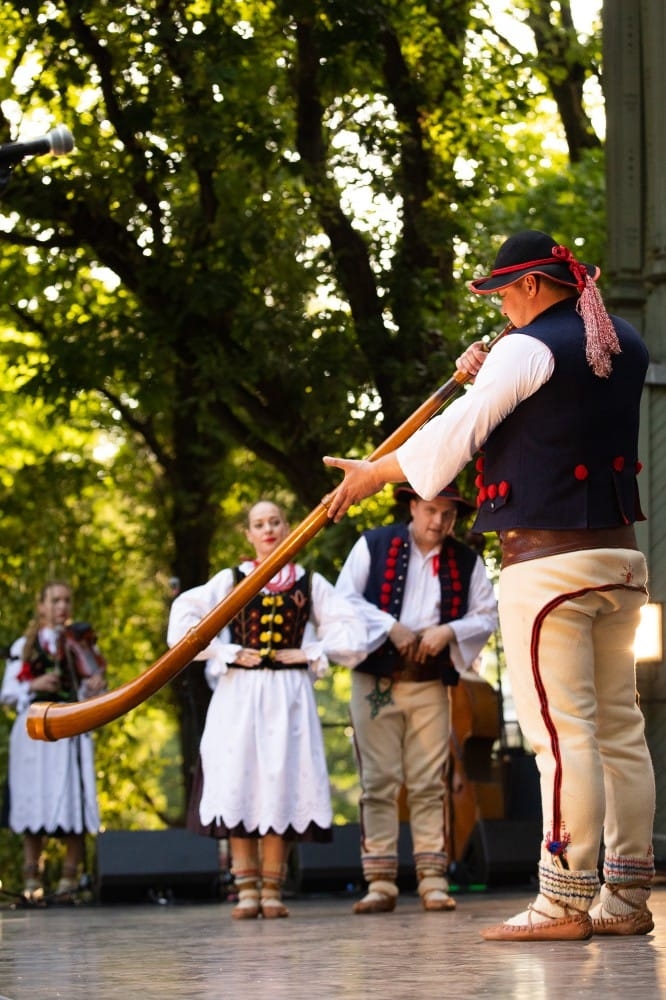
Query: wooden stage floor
[195,951]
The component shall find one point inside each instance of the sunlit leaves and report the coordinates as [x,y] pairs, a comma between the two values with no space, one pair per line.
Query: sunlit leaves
[236,272]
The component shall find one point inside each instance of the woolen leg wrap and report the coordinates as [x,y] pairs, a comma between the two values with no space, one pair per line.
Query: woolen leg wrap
[575,889]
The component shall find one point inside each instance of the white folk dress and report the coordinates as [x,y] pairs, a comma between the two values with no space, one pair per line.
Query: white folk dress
[51,784]
[262,750]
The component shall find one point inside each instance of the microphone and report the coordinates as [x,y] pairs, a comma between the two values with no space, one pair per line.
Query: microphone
[58,141]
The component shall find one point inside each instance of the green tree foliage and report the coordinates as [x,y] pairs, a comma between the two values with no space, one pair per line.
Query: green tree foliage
[255,256]
[565,62]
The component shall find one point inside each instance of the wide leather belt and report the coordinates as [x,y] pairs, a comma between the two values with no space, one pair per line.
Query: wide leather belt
[522,544]
[410,671]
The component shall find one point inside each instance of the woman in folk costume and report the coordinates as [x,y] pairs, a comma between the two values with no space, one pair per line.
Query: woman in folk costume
[52,788]
[264,774]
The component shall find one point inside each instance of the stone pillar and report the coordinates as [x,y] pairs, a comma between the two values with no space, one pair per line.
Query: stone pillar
[635,82]
[624,289]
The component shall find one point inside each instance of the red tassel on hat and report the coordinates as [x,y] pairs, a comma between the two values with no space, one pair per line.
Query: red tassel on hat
[600,337]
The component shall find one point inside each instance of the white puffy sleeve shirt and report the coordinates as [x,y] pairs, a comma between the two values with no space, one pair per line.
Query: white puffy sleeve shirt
[516,367]
[421,602]
[16,693]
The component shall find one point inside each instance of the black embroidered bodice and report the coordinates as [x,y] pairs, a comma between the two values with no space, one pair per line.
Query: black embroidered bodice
[272,621]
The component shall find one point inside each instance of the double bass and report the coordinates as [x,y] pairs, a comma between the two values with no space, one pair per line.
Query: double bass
[474,780]
[50,721]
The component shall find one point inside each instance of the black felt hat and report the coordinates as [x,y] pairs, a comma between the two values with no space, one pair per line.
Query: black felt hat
[404,493]
[534,252]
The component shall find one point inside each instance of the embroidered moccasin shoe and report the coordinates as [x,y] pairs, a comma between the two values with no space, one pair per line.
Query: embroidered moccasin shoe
[571,926]
[272,908]
[639,921]
[248,912]
[622,910]
[247,907]
[375,902]
[436,900]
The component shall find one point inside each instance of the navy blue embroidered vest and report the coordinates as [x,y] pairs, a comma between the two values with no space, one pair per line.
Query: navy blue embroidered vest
[567,456]
[389,558]
[272,621]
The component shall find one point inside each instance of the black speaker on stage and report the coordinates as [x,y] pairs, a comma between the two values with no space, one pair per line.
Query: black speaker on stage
[156,865]
[521,784]
[336,867]
[501,851]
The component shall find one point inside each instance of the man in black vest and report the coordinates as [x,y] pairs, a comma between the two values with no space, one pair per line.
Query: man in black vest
[429,608]
[555,407]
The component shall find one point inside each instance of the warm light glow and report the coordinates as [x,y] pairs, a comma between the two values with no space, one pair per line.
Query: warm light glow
[648,644]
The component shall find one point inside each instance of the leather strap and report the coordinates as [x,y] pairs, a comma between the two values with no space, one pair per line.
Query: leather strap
[522,544]
[409,671]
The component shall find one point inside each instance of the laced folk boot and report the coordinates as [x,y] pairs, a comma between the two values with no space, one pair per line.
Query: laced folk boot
[622,909]
[247,885]
[272,906]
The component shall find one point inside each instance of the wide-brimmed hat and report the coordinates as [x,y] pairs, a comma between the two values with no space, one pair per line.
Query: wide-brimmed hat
[403,493]
[534,252]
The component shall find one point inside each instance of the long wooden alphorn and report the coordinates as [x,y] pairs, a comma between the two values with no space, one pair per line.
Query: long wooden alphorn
[55,721]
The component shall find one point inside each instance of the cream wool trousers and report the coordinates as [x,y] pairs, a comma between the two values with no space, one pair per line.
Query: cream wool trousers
[568,626]
[407,741]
